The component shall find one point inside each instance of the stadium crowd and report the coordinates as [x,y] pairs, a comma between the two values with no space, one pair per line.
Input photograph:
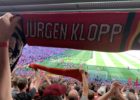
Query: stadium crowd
[61,88]
[46,88]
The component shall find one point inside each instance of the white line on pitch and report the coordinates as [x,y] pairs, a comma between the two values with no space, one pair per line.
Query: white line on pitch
[94,57]
[107,60]
[132,58]
[123,61]
[92,61]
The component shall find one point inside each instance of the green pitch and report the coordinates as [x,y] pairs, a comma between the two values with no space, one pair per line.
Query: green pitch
[119,66]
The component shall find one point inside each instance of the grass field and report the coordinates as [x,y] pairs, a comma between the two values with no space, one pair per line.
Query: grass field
[116,65]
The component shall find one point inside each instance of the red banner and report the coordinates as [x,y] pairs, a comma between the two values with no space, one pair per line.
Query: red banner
[101,31]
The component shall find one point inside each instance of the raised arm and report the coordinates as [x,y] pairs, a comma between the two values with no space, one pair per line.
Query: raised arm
[114,87]
[36,81]
[120,95]
[47,79]
[7,25]
[84,82]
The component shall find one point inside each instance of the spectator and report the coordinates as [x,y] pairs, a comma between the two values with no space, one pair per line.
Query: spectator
[7,25]
[90,95]
[22,84]
[23,95]
[113,92]
[131,96]
[15,88]
[53,92]
[73,95]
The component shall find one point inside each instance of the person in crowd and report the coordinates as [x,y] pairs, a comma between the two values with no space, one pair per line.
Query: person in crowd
[131,96]
[7,26]
[23,95]
[22,84]
[113,93]
[73,95]
[90,95]
[53,92]
[15,88]
[74,92]
[8,22]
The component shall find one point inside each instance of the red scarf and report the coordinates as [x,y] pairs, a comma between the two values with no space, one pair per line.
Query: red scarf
[74,73]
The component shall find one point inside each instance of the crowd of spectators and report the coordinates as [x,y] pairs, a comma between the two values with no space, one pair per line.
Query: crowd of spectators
[61,88]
